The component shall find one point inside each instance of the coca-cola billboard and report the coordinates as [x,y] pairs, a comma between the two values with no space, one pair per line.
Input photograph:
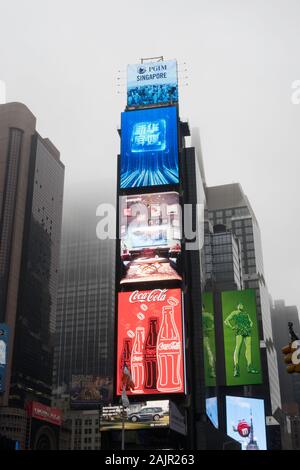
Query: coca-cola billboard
[150,341]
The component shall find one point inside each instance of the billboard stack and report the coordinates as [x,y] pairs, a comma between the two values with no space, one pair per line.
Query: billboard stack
[149,316]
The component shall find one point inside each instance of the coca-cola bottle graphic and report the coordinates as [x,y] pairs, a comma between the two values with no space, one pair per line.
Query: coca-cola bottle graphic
[150,360]
[137,363]
[125,359]
[168,353]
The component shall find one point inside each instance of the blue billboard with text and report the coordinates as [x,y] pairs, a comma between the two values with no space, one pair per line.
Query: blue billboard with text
[149,148]
[4,334]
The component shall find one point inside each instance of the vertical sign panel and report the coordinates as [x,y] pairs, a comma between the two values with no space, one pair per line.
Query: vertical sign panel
[4,335]
[209,342]
[149,148]
[150,341]
[241,340]
[246,422]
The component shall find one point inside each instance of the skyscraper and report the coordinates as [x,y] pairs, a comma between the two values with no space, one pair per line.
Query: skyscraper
[31,195]
[229,206]
[84,320]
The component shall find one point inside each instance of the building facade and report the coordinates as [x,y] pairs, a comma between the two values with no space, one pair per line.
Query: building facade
[85,308]
[31,194]
[228,206]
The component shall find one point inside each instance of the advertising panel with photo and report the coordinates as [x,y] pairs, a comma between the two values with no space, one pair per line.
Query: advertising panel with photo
[150,233]
[246,422]
[87,391]
[150,341]
[209,341]
[144,415]
[4,336]
[212,410]
[152,83]
[149,148]
[241,340]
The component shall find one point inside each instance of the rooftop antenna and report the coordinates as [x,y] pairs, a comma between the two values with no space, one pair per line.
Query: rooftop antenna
[159,58]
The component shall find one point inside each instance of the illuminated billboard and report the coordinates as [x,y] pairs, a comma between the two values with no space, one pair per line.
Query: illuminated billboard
[246,422]
[145,415]
[43,412]
[152,83]
[150,341]
[87,391]
[150,233]
[4,335]
[241,340]
[149,148]
[209,342]
[212,410]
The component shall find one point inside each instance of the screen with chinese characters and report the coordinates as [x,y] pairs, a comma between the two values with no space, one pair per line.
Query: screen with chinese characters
[149,148]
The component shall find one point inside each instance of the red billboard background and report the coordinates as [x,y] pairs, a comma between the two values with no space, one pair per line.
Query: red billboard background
[44,413]
[150,341]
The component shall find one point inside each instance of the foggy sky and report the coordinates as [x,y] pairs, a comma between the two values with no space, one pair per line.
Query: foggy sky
[61,58]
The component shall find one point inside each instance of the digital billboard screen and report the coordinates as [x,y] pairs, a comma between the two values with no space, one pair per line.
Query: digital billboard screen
[4,336]
[212,410]
[152,83]
[246,422]
[150,341]
[150,233]
[209,341]
[87,391]
[149,148]
[241,340]
[145,415]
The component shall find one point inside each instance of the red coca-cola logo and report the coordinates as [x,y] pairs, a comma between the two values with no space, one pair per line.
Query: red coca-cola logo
[173,346]
[150,351]
[137,358]
[156,295]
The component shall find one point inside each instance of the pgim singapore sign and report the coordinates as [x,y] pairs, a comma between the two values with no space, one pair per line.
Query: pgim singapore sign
[152,83]
[150,341]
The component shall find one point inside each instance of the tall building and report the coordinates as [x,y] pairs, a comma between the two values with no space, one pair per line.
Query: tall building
[289,383]
[85,309]
[227,205]
[31,194]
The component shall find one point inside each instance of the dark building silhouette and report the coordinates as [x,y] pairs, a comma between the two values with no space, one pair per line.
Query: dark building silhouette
[31,196]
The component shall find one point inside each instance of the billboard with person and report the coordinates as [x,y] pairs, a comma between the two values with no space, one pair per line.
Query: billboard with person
[150,233]
[209,341]
[241,340]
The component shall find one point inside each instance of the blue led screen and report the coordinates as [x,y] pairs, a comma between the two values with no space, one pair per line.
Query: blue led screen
[149,148]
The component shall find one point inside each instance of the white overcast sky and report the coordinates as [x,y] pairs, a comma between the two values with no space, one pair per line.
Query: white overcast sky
[61,58]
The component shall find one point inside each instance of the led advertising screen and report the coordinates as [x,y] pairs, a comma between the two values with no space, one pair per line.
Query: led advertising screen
[241,340]
[4,335]
[246,422]
[145,415]
[150,233]
[212,410]
[87,391]
[43,412]
[152,83]
[150,341]
[149,148]
[209,342]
